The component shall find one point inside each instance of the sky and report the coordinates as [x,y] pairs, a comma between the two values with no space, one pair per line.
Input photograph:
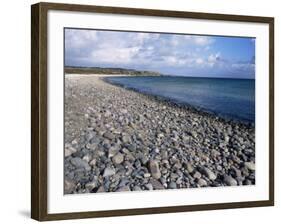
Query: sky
[170,54]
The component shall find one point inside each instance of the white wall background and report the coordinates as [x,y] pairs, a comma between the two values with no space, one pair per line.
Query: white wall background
[15,111]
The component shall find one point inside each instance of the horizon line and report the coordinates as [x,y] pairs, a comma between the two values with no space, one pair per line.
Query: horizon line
[163,74]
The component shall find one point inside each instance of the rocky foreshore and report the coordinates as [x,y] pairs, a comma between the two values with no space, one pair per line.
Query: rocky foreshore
[120,140]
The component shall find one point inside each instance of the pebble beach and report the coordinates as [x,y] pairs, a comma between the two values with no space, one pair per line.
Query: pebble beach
[120,140]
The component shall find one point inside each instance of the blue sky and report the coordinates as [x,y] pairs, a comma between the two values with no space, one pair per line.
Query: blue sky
[173,54]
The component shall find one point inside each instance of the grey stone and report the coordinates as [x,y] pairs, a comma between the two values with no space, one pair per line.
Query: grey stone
[172,185]
[74,142]
[144,159]
[107,113]
[113,151]
[230,181]
[69,150]
[149,186]
[137,188]
[156,184]
[91,146]
[101,189]
[141,118]
[237,172]
[160,135]
[118,158]
[250,166]
[109,135]
[215,153]
[80,163]
[154,169]
[226,138]
[194,134]
[201,182]
[124,182]
[146,175]
[208,173]
[177,165]
[89,136]
[87,158]
[124,111]
[93,162]
[132,147]
[91,185]
[247,182]
[188,167]
[126,138]
[197,175]
[124,188]
[137,164]
[108,172]
[69,186]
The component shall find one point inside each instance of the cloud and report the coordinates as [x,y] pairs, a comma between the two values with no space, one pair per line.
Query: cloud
[76,39]
[199,61]
[160,52]
[203,40]
[243,66]
[115,55]
[93,47]
[213,59]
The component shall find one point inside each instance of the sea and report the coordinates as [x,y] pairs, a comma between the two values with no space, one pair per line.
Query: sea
[228,98]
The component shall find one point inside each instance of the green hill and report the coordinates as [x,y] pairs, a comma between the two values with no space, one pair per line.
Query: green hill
[110,71]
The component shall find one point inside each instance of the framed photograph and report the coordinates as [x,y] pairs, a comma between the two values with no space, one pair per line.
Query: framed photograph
[139,111]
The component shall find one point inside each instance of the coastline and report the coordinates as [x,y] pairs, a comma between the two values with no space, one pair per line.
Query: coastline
[186,106]
[96,75]
[117,139]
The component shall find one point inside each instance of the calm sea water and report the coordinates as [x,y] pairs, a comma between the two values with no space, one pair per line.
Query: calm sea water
[228,98]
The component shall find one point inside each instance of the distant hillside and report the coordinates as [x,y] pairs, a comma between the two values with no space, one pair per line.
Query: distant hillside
[110,71]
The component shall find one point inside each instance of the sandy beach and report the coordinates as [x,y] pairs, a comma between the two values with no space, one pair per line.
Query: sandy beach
[120,140]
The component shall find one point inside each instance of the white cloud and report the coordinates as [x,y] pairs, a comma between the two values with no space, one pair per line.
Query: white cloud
[114,55]
[243,66]
[170,60]
[199,61]
[129,49]
[213,59]
[77,39]
[202,40]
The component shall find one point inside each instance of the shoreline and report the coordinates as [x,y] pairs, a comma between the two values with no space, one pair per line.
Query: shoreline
[203,112]
[117,139]
[97,75]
